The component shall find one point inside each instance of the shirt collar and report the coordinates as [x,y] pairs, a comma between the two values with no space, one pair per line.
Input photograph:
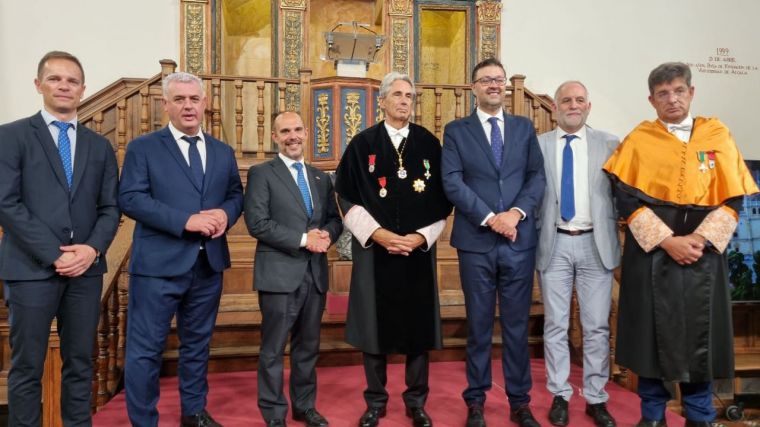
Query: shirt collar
[177,134]
[581,133]
[49,118]
[288,161]
[688,121]
[483,116]
[404,131]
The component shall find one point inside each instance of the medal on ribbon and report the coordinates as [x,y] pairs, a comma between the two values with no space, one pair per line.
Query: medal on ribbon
[426,163]
[701,158]
[711,159]
[382,181]
[372,158]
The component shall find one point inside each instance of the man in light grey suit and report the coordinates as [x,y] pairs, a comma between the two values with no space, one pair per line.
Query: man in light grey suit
[290,208]
[577,243]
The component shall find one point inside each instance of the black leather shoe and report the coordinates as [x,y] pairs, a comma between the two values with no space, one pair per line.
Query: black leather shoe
[419,417]
[523,417]
[311,417]
[645,422]
[371,417]
[475,416]
[276,423]
[598,412]
[690,423]
[558,414]
[201,419]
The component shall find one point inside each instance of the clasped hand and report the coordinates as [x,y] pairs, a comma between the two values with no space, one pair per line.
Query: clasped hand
[210,223]
[684,250]
[318,240]
[75,260]
[397,244]
[505,223]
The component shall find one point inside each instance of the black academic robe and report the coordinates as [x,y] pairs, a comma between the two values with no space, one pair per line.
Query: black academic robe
[393,299]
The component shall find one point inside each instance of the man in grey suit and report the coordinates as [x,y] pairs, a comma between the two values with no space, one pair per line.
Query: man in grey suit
[290,208]
[577,243]
[58,211]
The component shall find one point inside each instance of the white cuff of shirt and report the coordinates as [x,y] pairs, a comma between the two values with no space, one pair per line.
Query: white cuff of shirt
[303,240]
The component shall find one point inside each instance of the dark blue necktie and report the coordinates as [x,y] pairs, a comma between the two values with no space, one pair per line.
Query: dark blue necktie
[64,149]
[567,200]
[304,188]
[196,165]
[497,142]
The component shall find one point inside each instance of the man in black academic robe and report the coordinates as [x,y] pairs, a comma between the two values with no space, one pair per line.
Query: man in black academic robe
[390,189]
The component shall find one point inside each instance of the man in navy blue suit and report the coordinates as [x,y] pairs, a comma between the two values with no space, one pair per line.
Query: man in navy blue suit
[493,173]
[183,189]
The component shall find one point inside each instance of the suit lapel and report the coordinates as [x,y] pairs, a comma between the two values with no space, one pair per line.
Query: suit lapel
[80,158]
[168,140]
[282,172]
[507,146]
[478,134]
[314,182]
[49,147]
[551,161]
[211,160]
[594,154]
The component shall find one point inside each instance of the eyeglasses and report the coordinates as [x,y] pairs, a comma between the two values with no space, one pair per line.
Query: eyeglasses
[488,81]
[666,95]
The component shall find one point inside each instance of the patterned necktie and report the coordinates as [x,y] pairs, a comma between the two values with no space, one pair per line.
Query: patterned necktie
[196,165]
[497,142]
[64,149]
[304,188]
[567,201]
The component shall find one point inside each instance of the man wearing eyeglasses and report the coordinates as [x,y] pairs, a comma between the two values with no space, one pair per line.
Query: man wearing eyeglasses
[493,173]
[679,183]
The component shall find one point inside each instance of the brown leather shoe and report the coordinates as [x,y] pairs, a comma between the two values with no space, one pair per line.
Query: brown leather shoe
[558,414]
[598,412]
[201,419]
[523,417]
[475,416]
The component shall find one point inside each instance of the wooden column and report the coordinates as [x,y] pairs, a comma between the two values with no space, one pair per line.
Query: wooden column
[293,43]
[488,31]
[400,33]
[195,36]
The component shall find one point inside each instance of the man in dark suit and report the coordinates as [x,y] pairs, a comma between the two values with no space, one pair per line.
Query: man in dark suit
[58,211]
[290,208]
[493,173]
[182,187]
[578,245]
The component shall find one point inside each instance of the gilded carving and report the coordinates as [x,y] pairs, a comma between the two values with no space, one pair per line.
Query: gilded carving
[489,11]
[400,46]
[194,47]
[379,113]
[292,46]
[488,42]
[323,124]
[353,116]
[293,4]
[292,98]
[400,7]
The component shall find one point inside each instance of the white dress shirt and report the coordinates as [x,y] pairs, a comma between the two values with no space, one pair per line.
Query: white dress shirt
[184,146]
[579,145]
[54,131]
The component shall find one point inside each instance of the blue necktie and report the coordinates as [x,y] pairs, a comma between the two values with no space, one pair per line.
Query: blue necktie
[567,201]
[497,142]
[304,188]
[196,165]
[64,149]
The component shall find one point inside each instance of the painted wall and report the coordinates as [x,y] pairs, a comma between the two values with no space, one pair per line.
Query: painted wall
[613,45]
[112,39]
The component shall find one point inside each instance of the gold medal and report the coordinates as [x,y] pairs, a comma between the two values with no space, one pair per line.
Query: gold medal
[383,192]
[419,185]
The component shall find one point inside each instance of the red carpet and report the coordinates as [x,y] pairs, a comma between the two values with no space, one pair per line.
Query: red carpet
[232,399]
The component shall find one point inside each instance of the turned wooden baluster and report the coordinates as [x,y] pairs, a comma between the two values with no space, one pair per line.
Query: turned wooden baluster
[418,107]
[123,290]
[102,360]
[121,130]
[216,110]
[518,95]
[281,98]
[113,337]
[238,118]
[144,112]
[438,93]
[97,119]
[458,109]
[260,119]
[538,122]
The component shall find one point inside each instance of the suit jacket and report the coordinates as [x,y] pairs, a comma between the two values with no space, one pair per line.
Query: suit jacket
[38,213]
[159,192]
[600,147]
[275,214]
[474,183]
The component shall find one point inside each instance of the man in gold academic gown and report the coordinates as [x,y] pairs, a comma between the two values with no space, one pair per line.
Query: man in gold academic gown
[679,182]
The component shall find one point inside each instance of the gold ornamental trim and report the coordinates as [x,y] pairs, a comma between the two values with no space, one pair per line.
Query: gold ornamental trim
[323,124]
[488,42]
[400,7]
[194,37]
[489,11]
[293,4]
[353,116]
[400,45]
[293,47]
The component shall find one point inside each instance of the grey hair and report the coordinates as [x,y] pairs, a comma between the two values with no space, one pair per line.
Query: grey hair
[562,86]
[385,85]
[667,72]
[181,77]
